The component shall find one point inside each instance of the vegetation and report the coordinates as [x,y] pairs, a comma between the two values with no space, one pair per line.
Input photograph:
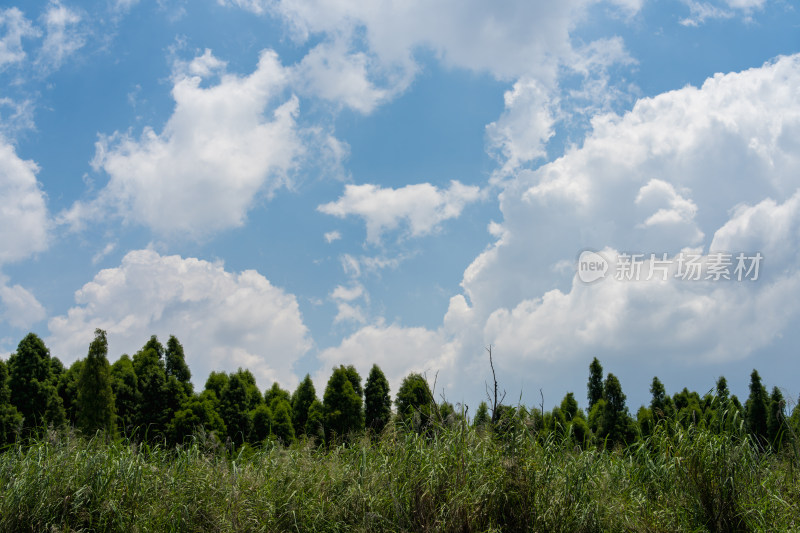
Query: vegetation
[132,446]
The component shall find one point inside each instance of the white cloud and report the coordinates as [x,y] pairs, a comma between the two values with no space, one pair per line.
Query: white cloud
[107,249]
[510,40]
[63,36]
[522,131]
[125,5]
[347,309]
[332,72]
[223,146]
[224,320]
[16,28]
[23,214]
[746,4]
[711,168]
[721,160]
[331,236]
[422,207]
[22,309]
[700,12]
[397,350]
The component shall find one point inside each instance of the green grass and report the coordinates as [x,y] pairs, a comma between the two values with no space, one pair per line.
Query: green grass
[457,480]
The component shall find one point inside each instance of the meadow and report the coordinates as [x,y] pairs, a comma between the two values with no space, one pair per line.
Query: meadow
[457,478]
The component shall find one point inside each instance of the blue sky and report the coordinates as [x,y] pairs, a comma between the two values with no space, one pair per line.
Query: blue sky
[291,185]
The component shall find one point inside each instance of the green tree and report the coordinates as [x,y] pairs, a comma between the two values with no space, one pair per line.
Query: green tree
[569,407]
[216,382]
[756,409]
[275,394]
[176,364]
[33,390]
[660,403]
[482,418]
[95,397]
[282,426]
[344,412]
[10,419]
[126,392]
[775,417]
[262,423]
[199,411]
[595,384]
[616,426]
[152,413]
[355,380]
[315,424]
[303,397]
[68,390]
[239,398]
[377,402]
[414,402]
[178,385]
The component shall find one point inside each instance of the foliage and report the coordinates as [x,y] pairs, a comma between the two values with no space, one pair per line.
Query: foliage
[96,410]
[595,385]
[344,413]
[377,401]
[32,384]
[302,398]
[414,399]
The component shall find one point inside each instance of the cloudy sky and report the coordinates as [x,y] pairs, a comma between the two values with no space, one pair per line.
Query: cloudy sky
[289,185]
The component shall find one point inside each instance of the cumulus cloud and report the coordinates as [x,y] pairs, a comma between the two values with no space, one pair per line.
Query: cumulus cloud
[24,218]
[22,309]
[420,207]
[223,146]
[333,72]
[517,39]
[522,131]
[696,171]
[720,160]
[396,349]
[225,320]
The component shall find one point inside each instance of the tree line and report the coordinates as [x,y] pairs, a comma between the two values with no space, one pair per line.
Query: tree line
[150,397]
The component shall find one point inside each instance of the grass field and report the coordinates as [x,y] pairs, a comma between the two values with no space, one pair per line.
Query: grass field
[457,479]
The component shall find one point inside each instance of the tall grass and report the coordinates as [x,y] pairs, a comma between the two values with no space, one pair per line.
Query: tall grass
[456,479]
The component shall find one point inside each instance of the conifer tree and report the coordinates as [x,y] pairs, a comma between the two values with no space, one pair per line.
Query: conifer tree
[414,399]
[10,419]
[616,420]
[275,394]
[176,362]
[126,391]
[658,401]
[377,402]
[315,424]
[68,390]
[595,385]
[33,390]
[775,417]
[344,411]
[152,412]
[482,418]
[756,408]
[303,397]
[282,426]
[95,398]
[262,423]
